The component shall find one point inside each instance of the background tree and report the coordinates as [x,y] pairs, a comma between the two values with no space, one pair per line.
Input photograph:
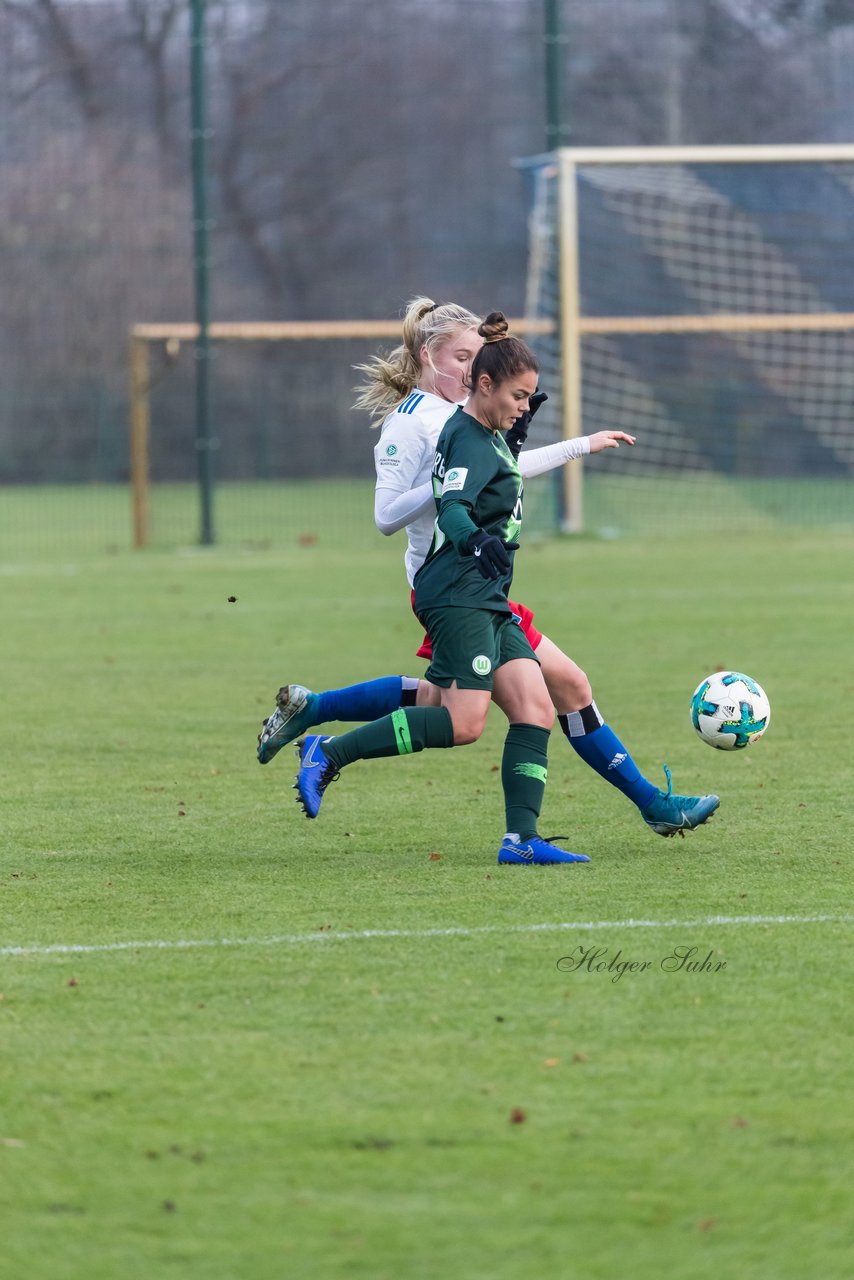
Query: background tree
[360,153]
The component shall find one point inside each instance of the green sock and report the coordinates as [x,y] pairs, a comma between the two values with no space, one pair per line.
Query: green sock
[405,731]
[523,776]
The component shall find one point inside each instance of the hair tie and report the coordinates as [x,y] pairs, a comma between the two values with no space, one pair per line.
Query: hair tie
[499,337]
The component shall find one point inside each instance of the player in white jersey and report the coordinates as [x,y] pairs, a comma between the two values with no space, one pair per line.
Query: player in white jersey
[404,459]
[411,393]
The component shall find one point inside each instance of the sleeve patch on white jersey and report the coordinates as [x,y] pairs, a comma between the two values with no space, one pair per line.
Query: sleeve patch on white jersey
[455,480]
[388,456]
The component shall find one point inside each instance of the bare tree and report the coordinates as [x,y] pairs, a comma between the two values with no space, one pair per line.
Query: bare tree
[360,152]
[52,24]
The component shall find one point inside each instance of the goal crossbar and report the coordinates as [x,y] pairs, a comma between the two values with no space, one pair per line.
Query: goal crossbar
[307,330]
[793,153]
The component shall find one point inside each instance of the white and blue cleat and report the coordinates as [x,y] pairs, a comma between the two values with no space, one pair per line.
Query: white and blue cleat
[292,716]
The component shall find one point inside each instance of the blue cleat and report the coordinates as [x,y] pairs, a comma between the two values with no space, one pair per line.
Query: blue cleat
[315,773]
[669,815]
[292,716]
[535,852]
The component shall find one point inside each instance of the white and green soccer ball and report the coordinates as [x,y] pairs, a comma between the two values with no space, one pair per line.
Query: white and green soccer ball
[729,710]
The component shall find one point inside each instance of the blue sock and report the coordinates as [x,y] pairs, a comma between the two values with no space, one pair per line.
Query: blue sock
[600,747]
[369,701]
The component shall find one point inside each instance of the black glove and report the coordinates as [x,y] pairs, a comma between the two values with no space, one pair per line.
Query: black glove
[518,433]
[490,553]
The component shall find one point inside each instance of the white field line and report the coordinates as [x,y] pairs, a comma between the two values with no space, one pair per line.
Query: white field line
[368,935]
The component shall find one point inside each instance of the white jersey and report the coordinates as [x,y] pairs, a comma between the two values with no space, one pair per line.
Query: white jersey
[404,456]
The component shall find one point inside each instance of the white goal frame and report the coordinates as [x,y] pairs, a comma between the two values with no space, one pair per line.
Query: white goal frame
[573,325]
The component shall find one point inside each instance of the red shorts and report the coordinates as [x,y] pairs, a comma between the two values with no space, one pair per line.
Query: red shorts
[520,611]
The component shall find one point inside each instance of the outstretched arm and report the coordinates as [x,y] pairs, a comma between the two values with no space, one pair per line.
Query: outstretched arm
[534,462]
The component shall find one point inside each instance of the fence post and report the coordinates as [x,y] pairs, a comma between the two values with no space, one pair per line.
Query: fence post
[140,379]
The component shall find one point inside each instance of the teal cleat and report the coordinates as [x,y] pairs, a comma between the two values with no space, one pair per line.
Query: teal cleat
[315,773]
[669,815]
[535,852]
[293,715]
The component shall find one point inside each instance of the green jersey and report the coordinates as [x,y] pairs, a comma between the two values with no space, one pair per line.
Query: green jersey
[477,485]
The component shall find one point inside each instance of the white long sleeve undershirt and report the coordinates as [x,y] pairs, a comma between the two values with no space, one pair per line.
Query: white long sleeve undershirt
[534,462]
[393,510]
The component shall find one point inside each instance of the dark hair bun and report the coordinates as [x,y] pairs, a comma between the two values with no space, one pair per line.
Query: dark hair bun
[494,326]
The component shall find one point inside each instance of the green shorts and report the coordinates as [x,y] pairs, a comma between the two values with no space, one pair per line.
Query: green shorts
[469,645]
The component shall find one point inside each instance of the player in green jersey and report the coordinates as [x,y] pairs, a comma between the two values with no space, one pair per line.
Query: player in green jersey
[479,651]
[476,483]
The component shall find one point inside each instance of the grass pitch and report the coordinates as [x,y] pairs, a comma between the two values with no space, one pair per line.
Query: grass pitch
[239,1044]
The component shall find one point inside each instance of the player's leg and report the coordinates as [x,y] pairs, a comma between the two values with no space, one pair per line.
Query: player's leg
[404,732]
[461,636]
[579,717]
[520,691]
[599,747]
[299,709]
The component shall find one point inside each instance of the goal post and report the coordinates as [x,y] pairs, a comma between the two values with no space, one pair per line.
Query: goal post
[678,275]
[171,336]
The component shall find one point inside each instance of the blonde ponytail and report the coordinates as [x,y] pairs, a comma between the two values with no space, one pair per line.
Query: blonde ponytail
[389,379]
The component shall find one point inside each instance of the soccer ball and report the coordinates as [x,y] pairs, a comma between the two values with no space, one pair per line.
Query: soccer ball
[729,710]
